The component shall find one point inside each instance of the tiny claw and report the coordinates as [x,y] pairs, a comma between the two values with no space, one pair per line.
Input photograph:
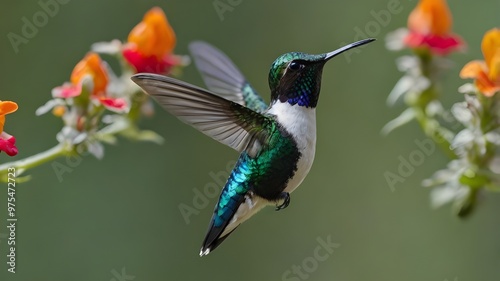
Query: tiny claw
[286,197]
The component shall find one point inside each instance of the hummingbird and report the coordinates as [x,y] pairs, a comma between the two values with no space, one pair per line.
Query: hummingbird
[276,142]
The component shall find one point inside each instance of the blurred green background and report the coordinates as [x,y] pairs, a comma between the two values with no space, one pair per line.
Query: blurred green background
[121,214]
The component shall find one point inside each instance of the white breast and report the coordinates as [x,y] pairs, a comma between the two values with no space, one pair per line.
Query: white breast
[299,121]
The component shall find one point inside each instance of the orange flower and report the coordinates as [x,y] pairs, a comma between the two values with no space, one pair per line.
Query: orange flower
[430,27]
[7,142]
[6,107]
[153,36]
[93,67]
[486,73]
[431,17]
[90,66]
[150,44]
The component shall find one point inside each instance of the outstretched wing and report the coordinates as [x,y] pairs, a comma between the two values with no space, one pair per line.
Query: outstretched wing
[225,121]
[223,78]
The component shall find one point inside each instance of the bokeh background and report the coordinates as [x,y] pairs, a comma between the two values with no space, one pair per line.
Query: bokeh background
[121,214]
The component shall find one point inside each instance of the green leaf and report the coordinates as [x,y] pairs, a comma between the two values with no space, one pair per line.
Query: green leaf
[106,138]
[144,135]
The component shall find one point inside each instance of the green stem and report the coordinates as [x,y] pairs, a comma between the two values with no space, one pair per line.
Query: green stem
[420,103]
[34,161]
[479,175]
[435,131]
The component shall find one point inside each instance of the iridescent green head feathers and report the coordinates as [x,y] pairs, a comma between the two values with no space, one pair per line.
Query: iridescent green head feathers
[296,77]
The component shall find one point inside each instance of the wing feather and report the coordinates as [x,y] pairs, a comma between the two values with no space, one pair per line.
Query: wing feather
[225,121]
[223,78]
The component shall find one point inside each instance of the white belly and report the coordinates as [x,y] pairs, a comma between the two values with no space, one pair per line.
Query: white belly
[303,168]
[301,123]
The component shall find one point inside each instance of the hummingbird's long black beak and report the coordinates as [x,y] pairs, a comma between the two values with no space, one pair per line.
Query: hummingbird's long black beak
[348,47]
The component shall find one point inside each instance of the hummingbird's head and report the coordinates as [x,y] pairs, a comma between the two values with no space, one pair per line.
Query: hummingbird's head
[296,77]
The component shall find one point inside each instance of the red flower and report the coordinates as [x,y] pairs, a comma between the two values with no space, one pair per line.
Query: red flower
[7,142]
[430,27]
[115,103]
[150,44]
[67,90]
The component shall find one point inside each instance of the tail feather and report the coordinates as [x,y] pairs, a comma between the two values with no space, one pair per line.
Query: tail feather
[216,235]
[223,214]
[209,247]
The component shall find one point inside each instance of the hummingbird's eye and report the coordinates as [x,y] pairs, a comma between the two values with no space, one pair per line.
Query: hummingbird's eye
[295,65]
